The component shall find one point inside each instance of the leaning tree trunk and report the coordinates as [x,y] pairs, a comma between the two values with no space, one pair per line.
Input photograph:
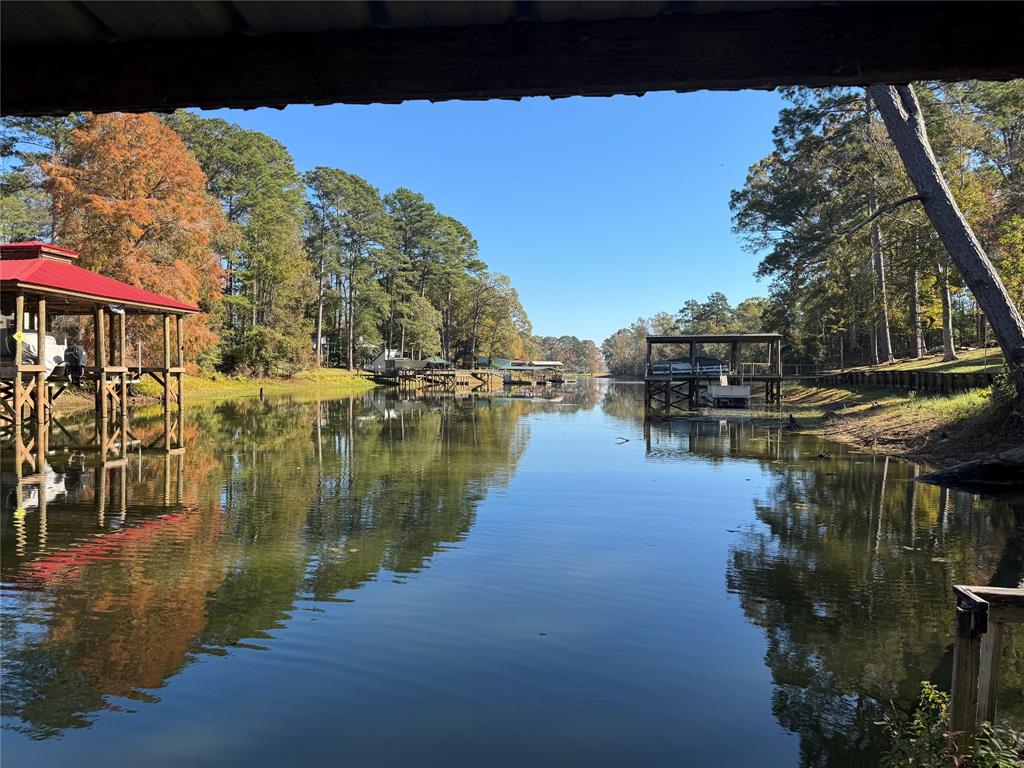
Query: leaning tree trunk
[902,115]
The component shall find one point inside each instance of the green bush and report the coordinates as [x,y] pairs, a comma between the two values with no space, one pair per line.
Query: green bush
[924,740]
[1003,390]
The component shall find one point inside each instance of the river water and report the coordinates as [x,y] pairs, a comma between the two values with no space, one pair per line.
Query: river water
[376,581]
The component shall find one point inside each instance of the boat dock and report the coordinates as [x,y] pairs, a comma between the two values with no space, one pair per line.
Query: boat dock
[682,383]
[442,379]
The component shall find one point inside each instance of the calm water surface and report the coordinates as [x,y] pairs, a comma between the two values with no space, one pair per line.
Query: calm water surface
[482,582]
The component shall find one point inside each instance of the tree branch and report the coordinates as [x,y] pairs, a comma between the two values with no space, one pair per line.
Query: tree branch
[881,210]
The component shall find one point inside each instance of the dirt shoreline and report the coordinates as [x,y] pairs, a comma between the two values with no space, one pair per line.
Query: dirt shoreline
[942,431]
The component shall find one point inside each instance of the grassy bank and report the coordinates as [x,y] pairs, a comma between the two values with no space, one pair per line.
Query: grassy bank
[988,360]
[940,429]
[206,387]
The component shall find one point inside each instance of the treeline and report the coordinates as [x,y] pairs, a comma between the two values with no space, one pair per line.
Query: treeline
[581,355]
[291,269]
[857,273]
[625,351]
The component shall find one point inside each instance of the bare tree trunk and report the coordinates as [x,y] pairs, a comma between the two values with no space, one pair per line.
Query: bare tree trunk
[351,324]
[320,313]
[882,336]
[902,115]
[448,326]
[942,283]
[916,330]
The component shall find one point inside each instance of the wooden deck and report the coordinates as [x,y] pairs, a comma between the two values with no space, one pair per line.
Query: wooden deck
[442,380]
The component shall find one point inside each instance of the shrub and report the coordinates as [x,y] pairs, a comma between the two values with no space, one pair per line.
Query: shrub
[924,739]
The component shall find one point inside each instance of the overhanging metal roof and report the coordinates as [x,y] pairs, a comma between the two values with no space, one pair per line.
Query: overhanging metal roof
[60,56]
[37,22]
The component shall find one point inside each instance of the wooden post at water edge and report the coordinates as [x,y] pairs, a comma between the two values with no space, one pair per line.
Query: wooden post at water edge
[181,359]
[981,613]
[101,365]
[42,390]
[167,361]
[19,327]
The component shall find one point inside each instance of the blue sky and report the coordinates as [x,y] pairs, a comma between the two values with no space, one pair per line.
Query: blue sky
[599,209]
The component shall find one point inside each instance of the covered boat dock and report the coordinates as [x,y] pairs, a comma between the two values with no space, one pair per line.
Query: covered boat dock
[40,281]
[678,384]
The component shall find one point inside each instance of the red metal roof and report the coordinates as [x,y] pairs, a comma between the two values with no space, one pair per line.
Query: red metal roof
[56,274]
[31,249]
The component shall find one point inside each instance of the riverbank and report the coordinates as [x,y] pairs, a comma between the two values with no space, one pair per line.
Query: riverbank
[206,387]
[943,430]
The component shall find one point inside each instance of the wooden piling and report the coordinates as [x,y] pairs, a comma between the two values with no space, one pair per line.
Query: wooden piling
[988,671]
[966,663]
[101,364]
[981,613]
[19,327]
[181,359]
[167,362]
[42,389]
[122,322]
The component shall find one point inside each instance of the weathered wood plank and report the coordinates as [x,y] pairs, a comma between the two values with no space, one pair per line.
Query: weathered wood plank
[966,663]
[988,673]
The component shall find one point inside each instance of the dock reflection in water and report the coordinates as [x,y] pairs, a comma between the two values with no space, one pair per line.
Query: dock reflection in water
[264,594]
[132,565]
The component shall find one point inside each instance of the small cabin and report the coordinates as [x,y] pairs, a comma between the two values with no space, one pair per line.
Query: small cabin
[379,363]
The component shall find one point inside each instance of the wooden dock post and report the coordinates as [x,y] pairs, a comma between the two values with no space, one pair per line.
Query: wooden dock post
[167,362]
[101,364]
[42,390]
[181,360]
[122,362]
[981,613]
[966,663]
[694,385]
[19,327]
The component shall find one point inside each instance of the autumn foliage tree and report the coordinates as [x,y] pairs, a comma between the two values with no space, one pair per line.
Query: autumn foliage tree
[131,199]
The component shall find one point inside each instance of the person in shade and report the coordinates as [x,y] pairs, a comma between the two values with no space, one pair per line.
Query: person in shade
[75,360]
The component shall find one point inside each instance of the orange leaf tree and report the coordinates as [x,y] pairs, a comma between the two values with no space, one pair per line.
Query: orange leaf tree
[131,199]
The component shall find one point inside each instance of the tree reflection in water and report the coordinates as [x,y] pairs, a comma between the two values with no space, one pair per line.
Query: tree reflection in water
[844,563]
[282,503]
[849,576]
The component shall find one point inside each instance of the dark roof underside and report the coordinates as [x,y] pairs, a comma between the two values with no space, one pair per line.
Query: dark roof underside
[65,56]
